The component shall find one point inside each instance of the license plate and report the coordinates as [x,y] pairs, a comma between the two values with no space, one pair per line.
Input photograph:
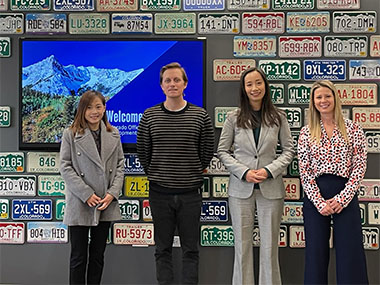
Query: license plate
[73,5]
[136,186]
[293,168]
[357,94]
[215,211]
[374,213]
[296,46]
[43,162]
[218,23]
[60,205]
[254,46]
[282,236]
[5,111]
[345,46]
[368,118]
[175,23]
[12,162]
[295,136]
[213,235]
[293,4]
[362,213]
[206,187]
[220,115]
[45,23]
[129,209]
[51,185]
[354,22]
[220,187]
[293,114]
[147,213]
[4,209]
[89,24]
[369,190]
[365,69]
[296,237]
[370,238]
[3,5]
[116,5]
[338,4]
[292,188]
[132,23]
[299,93]
[277,93]
[230,69]
[324,70]
[248,4]
[198,5]
[373,141]
[292,213]
[263,23]
[12,233]
[151,5]
[132,164]
[5,51]
[41,5]
[134,234]
[47,232]
[32,209]
[308,22]
[216,167]
[374,47]
[12,23]
[281,69]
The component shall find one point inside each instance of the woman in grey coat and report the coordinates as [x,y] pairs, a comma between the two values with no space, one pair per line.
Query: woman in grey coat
[92,165]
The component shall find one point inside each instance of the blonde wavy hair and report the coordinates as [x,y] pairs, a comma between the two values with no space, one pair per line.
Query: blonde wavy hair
[314,116]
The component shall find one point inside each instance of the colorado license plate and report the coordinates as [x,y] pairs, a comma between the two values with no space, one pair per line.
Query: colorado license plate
[12,23]
[175,23]
[116,5]
[292,213]
[293,4]
[45,23]
[248,4]
[357,94]
[136,186]
[43,162]
[130,209]
[230,69]
[5,111]
[206,187]
[32,209]
[370,238]
[134,234]
[151,5]
[365,69]
[132,164]
[132,23]
[374,213]
[216,167]
[12,162]
[281,69]
[39,5]
[282,236]
[369,190]
[89,24]
[354,22]
[213,235]
[299,93]
[73,5]
[220,115]
[197,5]
[215,211]
[294,46]
[324,70]
[338,4]
[60,205]
[308,22]
[293,114]
[47,232]
[277,91]
[255,46]
[18,185]
[368,118]
[263,23]
[4,209]
[220,187]
[345,46]
[374,48]
[147,212]
[51,185]
[218,23]
[373,141]
[292,188]
[12,233]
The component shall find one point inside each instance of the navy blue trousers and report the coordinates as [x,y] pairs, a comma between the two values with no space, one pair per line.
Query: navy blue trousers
[347,235]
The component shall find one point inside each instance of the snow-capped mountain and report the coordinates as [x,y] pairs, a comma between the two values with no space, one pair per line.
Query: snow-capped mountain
[49,76]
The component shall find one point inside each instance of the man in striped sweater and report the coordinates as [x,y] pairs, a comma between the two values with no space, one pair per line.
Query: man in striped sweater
[175,143]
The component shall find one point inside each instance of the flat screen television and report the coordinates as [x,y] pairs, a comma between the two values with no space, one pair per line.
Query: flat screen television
[55,72]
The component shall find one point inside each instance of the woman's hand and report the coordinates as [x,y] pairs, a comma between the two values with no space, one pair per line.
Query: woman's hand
[256,176]
[105,202]
[327,210]
[93,200]
[337,208]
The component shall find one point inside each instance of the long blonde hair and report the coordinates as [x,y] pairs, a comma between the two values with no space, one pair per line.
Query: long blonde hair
[314,116]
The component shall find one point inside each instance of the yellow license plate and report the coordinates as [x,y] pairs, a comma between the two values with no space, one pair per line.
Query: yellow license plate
[136,186]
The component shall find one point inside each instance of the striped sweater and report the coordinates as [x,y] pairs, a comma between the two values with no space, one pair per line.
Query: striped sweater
[175,147]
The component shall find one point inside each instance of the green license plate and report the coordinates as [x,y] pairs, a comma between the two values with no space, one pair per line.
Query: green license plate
[149,5]
[293,167]
[12,162]
[213,235]
[281,69]
[51,185]
[41,5]
[59,209]
[5,48]
[299,93]
[220,115]
[4,209]
[5,114]
[129,209]
[206,187]
[277,93]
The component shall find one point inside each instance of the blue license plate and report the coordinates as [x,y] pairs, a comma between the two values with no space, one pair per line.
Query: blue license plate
[132,164]
[216,211]
[32,209]
[324,69]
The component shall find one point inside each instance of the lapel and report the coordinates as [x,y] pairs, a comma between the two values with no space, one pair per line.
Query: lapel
[108,142]
[86,144]
[251,139]
[263,133]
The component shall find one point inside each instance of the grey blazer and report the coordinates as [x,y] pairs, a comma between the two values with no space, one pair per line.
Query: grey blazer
[86,173]
[246,155]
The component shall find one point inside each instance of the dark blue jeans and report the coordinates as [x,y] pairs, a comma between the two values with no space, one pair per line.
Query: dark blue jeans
[169,212]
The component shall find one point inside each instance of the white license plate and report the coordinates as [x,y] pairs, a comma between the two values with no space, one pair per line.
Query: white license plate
[368,118]
[147,213]
[45,24]
[282,236]
[199,5]
[277,91]
[263,23]
[216,167]
[297,237]
[369,190]
[357,94]
[220,187]
[51,185]
[12,23]
[374,213]
[47,232]
[299,93]
[218,23]
[4,209]
[255,46]
[89,24]
[174,23]
[248,4]
[370,238]
[281,69]
[220,115]
[134,234]
[374,47]
[308,22]
[215,235]
[365,69]
[129,210]
[116,5]
[18,185]
[132,23]
[292,213]
[43,162]
[3,5]
[293,5]
[373,141]
[293,114]
[297,46]
[12,233]
[295,136]
[354,22]
[338,4]
[292,188]
[362,213]
[136,186]
[73,5]
[343,46]
[230,69]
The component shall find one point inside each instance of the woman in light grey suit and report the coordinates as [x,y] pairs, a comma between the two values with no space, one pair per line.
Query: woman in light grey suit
[247,147]
[92,165]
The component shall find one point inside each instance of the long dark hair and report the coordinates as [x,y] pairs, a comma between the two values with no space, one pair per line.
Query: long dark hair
[270,115]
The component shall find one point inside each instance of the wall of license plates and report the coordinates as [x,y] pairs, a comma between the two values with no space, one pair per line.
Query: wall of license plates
[295,42]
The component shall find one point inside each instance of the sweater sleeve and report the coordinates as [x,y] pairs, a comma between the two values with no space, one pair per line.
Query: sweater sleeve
[206,142]
[144,143]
